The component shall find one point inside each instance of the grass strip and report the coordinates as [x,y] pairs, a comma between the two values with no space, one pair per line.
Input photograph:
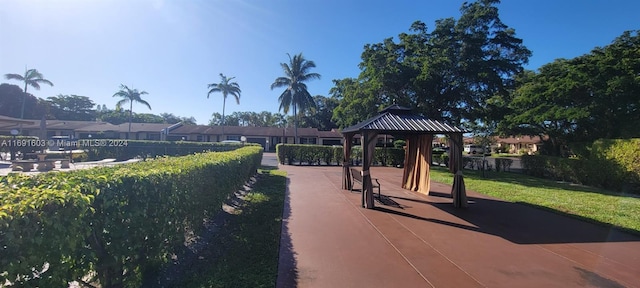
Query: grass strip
[245,251]
[589,203]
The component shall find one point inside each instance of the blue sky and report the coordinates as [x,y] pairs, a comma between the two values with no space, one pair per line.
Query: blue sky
[173,48]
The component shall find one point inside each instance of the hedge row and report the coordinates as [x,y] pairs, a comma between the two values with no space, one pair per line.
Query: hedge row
[302,154]
[611,164]
[128,149]
[119,149]
[114,223]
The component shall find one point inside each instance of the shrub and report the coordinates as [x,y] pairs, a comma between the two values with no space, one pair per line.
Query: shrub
[120,149]
[327,155]
[503,164]
[399,144]
[115,223]
[610,164]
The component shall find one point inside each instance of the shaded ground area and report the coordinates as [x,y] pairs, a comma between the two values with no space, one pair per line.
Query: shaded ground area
[414,240]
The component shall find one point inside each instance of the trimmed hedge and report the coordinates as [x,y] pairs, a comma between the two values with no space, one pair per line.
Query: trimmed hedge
[127,149]
[113,223]
[120,149]
[611,164]
[305,154]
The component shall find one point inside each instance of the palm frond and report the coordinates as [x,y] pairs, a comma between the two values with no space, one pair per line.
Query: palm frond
[121,102]
[281,82]
[285,101]
[14,77]
[145,103]
[226,87]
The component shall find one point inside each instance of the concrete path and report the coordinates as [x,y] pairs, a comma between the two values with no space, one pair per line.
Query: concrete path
[413,240]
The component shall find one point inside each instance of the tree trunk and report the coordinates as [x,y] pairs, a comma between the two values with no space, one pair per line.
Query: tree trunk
[224,104]
[295,116]
[130,118]
[295,125]
[24,99]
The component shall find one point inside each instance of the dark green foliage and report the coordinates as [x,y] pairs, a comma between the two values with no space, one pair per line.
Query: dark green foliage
[399,143]
[593,96]
[611,164]
[115,221]
[448,74]
[440,159]
[127,149]
[503,164]
[332,155]
[71,107]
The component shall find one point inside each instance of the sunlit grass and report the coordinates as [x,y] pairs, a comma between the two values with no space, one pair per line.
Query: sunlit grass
[593,204]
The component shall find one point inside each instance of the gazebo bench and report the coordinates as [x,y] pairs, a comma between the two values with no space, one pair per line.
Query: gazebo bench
[356,176]
[22,165]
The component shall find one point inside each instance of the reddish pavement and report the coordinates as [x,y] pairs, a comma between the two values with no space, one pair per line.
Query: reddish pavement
[414,240]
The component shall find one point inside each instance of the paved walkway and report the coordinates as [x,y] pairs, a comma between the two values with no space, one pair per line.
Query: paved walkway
[413,240]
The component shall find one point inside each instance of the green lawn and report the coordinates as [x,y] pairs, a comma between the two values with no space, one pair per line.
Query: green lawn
[245,251]
[597,205]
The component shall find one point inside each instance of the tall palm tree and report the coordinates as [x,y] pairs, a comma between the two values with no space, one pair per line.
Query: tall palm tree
[129,95]
[295,95]
[226,87]
[31,78]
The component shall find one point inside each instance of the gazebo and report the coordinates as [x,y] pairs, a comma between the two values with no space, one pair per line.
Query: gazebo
[419,131]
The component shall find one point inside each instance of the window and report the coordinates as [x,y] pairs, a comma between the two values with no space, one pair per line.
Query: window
[305,140]
[153,136]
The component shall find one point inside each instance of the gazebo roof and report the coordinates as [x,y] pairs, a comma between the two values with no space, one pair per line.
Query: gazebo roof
[396,118]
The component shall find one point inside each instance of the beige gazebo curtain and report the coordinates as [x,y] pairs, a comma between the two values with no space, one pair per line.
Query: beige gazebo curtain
[346,173]
[417,162]
[458,190]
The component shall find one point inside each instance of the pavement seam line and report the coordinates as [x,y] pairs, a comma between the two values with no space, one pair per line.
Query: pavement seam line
[381,234]
[437,251]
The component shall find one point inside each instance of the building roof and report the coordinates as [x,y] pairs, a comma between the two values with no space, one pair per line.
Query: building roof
[174,129]
[6,121]
[396,119]
[254,131]
[61,124]
[142,127]
[519,139]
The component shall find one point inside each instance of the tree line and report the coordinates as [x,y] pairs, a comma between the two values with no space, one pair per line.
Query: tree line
[467,71]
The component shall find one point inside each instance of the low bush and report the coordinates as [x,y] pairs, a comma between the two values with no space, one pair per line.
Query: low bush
[503,164]
[120,149]
[114,223]
[305,154]
[610,164]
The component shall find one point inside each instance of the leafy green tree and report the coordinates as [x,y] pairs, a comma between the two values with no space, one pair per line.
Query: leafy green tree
[147,118]
[581,99]
[357,101]
[169,118]
[320,117]
[188,120]
[226,88]
[31,78]
[295,94]
[129,95]
[71,107]
[447,74]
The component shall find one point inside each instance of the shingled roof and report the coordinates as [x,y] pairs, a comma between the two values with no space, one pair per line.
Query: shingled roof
[398,119]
